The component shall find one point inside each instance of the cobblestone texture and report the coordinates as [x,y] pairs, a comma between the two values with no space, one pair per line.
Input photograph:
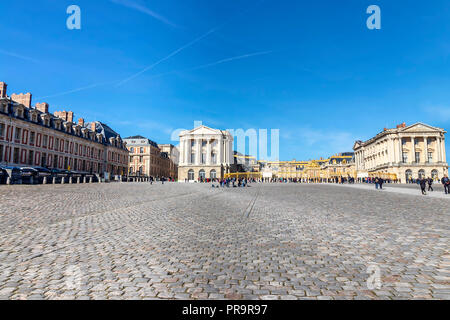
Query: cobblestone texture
[190,241]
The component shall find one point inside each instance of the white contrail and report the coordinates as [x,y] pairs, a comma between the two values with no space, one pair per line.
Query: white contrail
[15,55]
[183,47]
[141,8]
[168,57]
[212,64]
[208,65]
[77,90]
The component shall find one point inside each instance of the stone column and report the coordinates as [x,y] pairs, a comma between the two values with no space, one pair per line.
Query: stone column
[187,153]
[444,157]
[198,153]
[208,152]
[425,146]
[413,149]
[438,149]
[220,147]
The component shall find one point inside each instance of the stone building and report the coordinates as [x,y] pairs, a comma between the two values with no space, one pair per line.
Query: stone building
[31,136]
[403,153]
[147,159]
[340,166]
[174,155]
[205,153]
[332,169]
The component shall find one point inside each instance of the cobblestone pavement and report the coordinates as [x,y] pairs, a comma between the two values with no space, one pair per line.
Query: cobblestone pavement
[190,241]
[407,189]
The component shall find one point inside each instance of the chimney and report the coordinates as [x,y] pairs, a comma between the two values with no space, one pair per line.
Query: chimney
[3,87]
[81,122]
[24,99]
[70,116]
[42,107]
[93,127]
[61,114]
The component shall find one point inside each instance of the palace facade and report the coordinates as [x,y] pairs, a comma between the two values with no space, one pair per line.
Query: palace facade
[174,155]
[148,159]
[403,153]
[333,169]
[205,153]
[31,136]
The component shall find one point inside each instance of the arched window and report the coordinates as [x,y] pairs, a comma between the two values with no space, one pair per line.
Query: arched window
[434,174]
[191,175]
[408,175]
[202,174]
[421,174]
[213,174]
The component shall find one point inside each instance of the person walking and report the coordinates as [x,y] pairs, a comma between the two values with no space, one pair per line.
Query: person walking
[446,182]
[430,184]
[423,185]
[376,183]
[381,181]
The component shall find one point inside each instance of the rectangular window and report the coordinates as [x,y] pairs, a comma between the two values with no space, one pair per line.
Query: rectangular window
[30,158]
[16,155]
[45,141]
[213,158]
[56,144]
[32,137]
[66,148]
[405,157]
[192,157]
[1,152]
[2,129]
[43,160]
[417,157]
[203,158]
[192,143]
[18,133]
[203,143]
[430,157]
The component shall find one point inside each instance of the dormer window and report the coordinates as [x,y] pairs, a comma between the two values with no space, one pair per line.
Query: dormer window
[3,107]
[19,113]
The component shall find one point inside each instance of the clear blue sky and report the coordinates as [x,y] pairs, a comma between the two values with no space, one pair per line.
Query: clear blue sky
[309,68]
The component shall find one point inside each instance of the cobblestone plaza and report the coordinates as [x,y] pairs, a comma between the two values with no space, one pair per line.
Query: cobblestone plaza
[191,241]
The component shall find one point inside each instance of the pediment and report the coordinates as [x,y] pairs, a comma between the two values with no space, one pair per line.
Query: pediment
[357,145]
[203,130]
[420,127]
